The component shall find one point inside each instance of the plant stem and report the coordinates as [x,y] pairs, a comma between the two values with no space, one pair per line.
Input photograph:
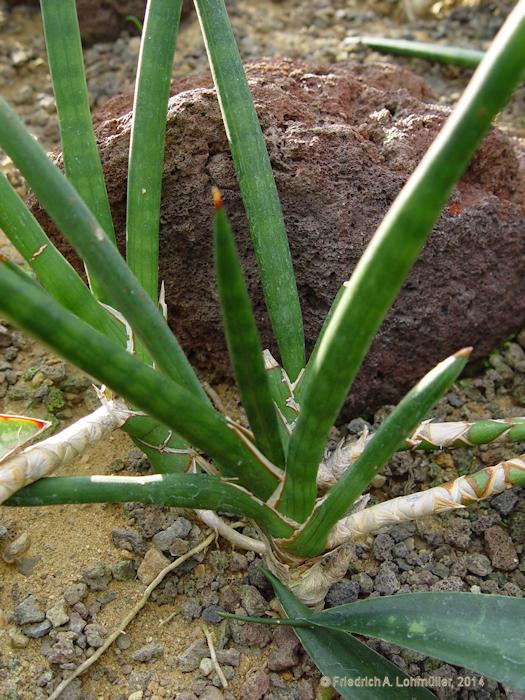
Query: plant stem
[427,436]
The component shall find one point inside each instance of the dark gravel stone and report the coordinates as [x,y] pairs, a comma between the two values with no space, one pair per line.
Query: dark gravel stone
[28,611]
[382,548]
[256,685]
[285,650]
[252,601]
[39,629]
[386,581]
[211,614]
[130,540]
[230,657]
[501,549]
[402,531]
[505,502]
[478,564]
[97,576]
[458,533]
[365,583]
[124,570]
[95,634]
[342,592]
[179,529]
[190,609]
[480,523]
[250,635]
[449,585]
[147,653]
[190,658]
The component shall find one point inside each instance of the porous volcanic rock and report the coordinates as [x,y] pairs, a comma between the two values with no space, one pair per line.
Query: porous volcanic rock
[342,141]
[102,20]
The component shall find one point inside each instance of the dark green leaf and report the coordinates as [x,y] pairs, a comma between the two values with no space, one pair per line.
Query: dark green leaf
[243,342]
[343,659]
[256,182]
[482,632]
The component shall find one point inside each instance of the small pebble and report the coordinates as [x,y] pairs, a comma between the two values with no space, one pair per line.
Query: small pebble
[28,611]
[39,629]
[153,563]
[17,547]
[97,576]
[123,642]
[58,614]
[147,653]
[17,639]
[75,593]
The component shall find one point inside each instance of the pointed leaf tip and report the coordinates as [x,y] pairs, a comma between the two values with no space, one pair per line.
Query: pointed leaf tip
[217,198]
[465,352]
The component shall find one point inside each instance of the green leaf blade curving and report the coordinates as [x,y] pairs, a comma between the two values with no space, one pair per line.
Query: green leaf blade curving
[171,404]
[342,658]
[481,632]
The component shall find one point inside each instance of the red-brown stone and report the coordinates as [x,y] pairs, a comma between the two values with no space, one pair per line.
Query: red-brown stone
[342,141]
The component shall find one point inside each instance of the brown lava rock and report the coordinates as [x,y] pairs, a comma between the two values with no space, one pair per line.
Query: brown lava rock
[103,20]
[342,141]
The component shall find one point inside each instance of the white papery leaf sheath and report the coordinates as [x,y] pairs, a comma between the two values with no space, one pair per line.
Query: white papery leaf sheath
[459,493]
[45,457]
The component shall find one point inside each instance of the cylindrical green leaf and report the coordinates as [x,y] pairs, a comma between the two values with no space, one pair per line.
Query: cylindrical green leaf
[146,149]
[453,55]
[156,394]
[79,147]
[400,423]
[85,234]
[52,270]
[256,183]
[388,259]
[243,341]
[176,490]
